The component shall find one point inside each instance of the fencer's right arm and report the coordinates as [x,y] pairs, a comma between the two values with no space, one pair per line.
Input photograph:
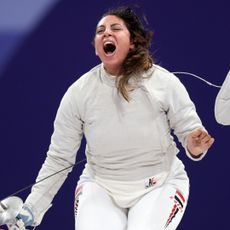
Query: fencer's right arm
[65,142]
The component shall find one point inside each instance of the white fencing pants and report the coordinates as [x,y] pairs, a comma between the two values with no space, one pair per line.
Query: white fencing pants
[162,208]
[159,209]
[97,211]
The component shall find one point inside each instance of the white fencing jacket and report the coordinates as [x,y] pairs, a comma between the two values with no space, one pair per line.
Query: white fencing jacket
[126,141]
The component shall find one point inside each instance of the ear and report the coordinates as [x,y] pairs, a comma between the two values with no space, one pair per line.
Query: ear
[132,45]
[93,44]
[96,52]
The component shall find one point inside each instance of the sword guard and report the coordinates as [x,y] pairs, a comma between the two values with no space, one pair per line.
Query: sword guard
[9,209]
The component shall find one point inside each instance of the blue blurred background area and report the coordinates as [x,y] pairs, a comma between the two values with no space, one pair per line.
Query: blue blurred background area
[46,45]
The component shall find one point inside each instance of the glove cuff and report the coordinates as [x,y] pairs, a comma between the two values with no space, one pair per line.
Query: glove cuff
[26,215]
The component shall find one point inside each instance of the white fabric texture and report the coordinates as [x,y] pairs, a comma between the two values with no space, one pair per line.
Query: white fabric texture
[126,141]
[222,103]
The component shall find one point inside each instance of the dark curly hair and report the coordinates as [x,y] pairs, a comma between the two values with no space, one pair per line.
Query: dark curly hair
[138,58]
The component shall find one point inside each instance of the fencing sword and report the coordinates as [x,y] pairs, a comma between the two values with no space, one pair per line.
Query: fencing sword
[11,205]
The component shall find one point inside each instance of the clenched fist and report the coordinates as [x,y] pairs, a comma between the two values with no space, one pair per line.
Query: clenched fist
[198,142]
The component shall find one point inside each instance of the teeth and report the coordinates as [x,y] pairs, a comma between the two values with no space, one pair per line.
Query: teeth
[108,42]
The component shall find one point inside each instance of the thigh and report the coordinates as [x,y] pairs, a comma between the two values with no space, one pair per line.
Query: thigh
[160,209]
[95,209]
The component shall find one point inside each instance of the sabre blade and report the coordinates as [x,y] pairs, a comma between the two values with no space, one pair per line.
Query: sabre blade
[11,205]
[45,178]
[3,206]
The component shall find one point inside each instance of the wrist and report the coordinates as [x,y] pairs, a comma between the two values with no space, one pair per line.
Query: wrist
[26,215]
[194,155]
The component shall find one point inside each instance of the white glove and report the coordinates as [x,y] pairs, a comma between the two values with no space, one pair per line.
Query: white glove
[23,219]
[19,225]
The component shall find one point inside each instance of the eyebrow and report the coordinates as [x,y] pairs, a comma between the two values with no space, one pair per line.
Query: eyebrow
[114,24]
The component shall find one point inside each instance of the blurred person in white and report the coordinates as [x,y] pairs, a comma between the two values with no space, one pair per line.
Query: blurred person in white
[222,103]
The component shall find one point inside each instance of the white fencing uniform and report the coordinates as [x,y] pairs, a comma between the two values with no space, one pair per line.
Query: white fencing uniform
[222,103]
[128,143]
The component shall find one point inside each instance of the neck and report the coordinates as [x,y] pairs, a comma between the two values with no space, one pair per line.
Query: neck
[115,71]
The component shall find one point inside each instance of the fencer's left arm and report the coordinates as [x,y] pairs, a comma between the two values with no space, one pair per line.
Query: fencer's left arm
[184,120]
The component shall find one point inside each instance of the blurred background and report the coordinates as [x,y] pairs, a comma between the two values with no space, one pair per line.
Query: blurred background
[46,45]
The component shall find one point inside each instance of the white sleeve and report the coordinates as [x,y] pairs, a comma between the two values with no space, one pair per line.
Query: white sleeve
[181,113]
[65,143]
[222,103]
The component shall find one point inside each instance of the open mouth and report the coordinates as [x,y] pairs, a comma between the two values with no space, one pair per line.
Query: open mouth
[109,48]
